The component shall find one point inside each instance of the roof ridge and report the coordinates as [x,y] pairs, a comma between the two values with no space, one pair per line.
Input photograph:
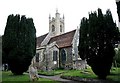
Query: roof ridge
[64,33]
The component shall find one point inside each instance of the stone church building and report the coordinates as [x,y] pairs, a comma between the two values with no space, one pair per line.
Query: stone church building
[57,49]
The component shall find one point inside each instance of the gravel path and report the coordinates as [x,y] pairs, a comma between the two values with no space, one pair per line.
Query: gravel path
[57,78]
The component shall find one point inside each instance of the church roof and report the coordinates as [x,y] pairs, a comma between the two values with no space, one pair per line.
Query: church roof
[63,40]
[40,39]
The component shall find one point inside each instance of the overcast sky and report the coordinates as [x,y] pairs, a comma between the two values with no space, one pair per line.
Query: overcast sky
[39,10]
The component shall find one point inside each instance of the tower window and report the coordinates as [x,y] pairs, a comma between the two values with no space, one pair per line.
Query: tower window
[53,28]
[60,28]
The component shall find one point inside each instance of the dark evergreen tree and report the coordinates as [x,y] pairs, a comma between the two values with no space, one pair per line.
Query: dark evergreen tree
[117,57]
[118,9]
[19,43]
[98,35]
[9,38]
[83,35]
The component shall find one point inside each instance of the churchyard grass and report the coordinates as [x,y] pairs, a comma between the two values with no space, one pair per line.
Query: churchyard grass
[115,74]
[81,73]
[8,77]
[87,73]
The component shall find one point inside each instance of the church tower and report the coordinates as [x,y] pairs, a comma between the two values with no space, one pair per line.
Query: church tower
[56,24]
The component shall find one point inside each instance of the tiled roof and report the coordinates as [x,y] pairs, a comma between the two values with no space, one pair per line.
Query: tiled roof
[40,39]
[63,40]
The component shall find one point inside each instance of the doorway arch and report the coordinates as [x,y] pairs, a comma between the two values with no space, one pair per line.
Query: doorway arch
[63,58]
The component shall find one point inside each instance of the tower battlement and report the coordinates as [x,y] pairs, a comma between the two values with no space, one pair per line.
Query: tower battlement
[56,24]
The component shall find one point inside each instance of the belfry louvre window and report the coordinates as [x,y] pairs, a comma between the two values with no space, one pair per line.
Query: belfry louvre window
[60,28]
[55,55]
[53,28]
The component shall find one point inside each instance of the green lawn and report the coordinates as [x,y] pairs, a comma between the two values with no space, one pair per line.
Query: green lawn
[115,74]
[87,73]
[79,73]
[8,77]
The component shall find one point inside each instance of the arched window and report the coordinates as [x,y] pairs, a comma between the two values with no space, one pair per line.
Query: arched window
[63,56]
[55,55]
[53,28]
[60,28]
